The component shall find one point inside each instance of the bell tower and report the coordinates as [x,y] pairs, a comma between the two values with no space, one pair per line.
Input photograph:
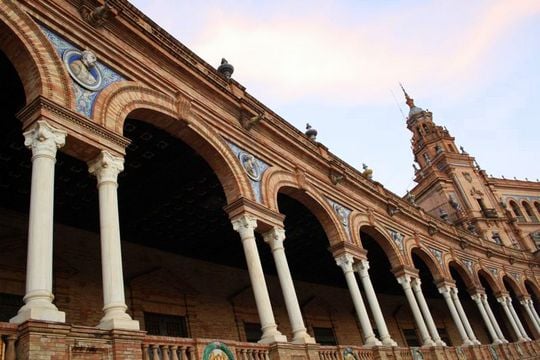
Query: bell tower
[450,184]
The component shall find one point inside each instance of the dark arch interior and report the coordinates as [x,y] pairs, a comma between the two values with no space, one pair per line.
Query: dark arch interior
[428,285]
[495,307]
[517,306]
[384,281]
[463,293]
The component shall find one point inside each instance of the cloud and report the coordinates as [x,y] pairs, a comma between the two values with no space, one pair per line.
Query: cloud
[327,57]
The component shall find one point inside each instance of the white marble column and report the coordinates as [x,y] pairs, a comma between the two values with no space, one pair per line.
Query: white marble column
[502,300]
[345,262]
[477,299]
[416,286]
[363,271]
[445,291]
[43,140]
[525,303]
[533,311]
[517,319]
[106,168]
[405,282]
[245,226]
[485,302]
[463,316]
[275,238]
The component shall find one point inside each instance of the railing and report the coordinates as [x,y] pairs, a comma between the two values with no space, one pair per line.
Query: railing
[172,348]
[8,336]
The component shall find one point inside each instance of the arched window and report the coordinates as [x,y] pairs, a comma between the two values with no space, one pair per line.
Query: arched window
[529,211]
[517,211]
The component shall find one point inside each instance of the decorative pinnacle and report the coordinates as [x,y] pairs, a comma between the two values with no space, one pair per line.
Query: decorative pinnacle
[409,101]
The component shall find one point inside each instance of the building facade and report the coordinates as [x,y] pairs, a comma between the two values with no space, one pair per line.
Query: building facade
[151,208]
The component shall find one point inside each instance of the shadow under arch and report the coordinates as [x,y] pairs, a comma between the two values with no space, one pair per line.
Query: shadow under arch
[512,286]
[486,278]
[456,268]
[131,100]
[389,248]
[429,261]
[33,56]
[532,289]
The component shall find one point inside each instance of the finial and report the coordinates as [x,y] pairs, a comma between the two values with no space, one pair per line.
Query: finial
[409,101]
[225,68]
[310,132]
[368,173]
[463,152]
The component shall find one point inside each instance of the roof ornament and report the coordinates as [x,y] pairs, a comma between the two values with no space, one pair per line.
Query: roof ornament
[225,68]
[410,102]
[99,15]
[311,133]
[367,173]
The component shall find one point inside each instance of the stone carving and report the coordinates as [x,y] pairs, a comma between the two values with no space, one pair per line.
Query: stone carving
[336,177]
[82,68]
[250,165]
[467,177]
[97,16]
[217,351]
[416,353]
[438,255]
[397,238]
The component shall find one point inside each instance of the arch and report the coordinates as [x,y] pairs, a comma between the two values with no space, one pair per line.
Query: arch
[529,211]
[393,253]
[275,181]
[518,291]
[432,264]
[493,283]
[515,208]
[529,284]
[469,279]
[125,99]
[537,206]
[33,56]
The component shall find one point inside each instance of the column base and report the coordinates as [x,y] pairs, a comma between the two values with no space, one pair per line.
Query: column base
[124,324]
[303,338]
[476,342]
[498,342]
[468,342]
[388,341]
[429,343]
[373,341]
[44,312]
[440,343]
[273,338]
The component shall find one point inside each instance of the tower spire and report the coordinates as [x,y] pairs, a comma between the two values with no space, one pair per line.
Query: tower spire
[410,102]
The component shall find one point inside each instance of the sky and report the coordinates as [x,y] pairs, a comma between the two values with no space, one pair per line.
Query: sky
[338,65]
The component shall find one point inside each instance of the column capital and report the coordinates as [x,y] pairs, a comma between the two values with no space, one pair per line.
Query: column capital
[44,140]
[106,167]
[404,280]
[345,262]
[502,300]
[275,238]
[416,282]
[445,290]
[244,225]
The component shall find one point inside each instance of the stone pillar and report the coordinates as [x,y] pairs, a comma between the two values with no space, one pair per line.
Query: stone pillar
[245,226]
[533,311]
[345,262]
[445,291]
[363,271]
[517,319]
[477,299]
[415,283]
[106,169]
[463,316]
[275,238]
[504,304]
[405,282]
[500,334]
[43,140]
[525,303]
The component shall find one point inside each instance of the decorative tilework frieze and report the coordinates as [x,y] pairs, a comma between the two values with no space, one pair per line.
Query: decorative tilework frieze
[438,255]
[85,97]
[469,265]
[493,271]
[253,167]
[516,276]
[398,238]
[343,214]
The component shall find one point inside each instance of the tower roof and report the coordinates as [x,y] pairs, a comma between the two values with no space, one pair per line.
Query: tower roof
[413,109]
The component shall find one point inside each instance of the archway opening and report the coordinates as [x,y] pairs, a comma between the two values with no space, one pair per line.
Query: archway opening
[513,289]
[488,284]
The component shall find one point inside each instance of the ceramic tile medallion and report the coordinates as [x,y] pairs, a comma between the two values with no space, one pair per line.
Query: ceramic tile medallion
[349,354]
[493,352]
[253,167]
[438,255]
[217,351]
[468,265]
[343,214]
[397,238]
[460,353]
[416,354]
[89,75]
